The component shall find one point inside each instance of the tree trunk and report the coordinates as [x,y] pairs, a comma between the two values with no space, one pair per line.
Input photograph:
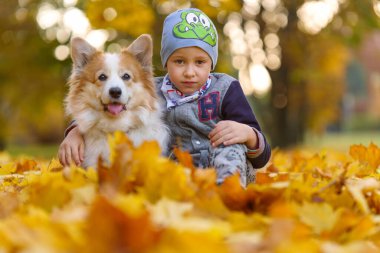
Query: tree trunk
[288,95]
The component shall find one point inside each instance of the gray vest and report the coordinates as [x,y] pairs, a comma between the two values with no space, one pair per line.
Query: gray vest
[191,123]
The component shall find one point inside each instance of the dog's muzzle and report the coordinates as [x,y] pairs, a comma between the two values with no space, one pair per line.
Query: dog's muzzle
[115,92]
[114,108]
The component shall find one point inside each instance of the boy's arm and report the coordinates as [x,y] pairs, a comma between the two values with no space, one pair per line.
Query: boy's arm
[71,126]
[240,122]
[72,147]
[228,132]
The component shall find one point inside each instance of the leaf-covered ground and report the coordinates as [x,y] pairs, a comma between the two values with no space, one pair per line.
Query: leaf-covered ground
[303,202]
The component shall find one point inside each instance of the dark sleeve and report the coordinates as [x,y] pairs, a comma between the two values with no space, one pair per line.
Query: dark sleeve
[235,107]
[72,125]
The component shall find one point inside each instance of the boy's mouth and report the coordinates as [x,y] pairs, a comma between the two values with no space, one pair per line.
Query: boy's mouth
[187,83]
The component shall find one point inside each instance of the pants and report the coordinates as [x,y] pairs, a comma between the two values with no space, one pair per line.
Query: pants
[228,160]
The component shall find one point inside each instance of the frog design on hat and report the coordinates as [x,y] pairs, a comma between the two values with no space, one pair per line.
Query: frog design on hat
[195,25]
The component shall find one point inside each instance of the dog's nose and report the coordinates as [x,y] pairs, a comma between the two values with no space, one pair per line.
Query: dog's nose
[115,92]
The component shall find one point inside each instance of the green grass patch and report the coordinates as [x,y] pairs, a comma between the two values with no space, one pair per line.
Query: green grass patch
[339,141]
[342,140]
[36,151]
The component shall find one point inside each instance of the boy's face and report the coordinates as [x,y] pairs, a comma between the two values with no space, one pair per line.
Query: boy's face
[189,68]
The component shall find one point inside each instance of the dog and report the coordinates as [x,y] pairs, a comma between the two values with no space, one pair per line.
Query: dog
[111,92]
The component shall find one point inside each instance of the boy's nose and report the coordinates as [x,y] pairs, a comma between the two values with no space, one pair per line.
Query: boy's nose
[189,71]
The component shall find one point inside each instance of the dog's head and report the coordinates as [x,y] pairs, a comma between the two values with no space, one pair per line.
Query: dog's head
[110,83]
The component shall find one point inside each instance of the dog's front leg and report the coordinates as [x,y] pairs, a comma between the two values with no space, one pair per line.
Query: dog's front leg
[95,145]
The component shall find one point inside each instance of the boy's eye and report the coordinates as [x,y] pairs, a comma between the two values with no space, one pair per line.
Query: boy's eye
[179,61]
[200,62]
[102,77]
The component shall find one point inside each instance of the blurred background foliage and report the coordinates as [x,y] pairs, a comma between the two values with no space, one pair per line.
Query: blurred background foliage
[307,67]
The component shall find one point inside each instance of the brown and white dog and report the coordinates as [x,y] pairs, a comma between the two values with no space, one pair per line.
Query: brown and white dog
[114,92]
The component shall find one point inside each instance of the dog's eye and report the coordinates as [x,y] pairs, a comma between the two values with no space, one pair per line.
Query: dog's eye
[126,77]
[102,77]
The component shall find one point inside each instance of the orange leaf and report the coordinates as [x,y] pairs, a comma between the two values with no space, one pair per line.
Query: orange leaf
[271,177]
[109,229]
[370,154]
[282,209]
[113,177]
[205,179]
[26,165]
[232,193]
[184,158]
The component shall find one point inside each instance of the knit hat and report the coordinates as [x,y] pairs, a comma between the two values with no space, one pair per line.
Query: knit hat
[188,28]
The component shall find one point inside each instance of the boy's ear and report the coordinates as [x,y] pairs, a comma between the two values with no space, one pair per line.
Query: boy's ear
[81,52]
[142,49]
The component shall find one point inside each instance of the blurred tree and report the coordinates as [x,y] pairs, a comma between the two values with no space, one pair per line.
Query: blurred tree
[134,18]
[307,88]
[322,70]
[32,81]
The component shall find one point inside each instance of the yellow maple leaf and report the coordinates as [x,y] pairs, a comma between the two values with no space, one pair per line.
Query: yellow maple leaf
[182,216]
[352,247]
[352,226]
[8,168]
[174,241]
[142,169]
[34,231]
[320,217]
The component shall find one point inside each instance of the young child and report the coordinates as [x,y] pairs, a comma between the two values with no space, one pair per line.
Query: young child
[207,113]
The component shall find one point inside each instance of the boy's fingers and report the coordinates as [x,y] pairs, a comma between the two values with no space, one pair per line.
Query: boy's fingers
[221,128]
[216,131]
[227,139]
[212,133]
[68,157]
[75,156]
[81,152]
[61,157]
[218,127]
[217,141]
[231,141]
[220,135]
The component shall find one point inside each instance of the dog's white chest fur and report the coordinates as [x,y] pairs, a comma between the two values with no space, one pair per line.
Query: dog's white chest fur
[96,145]
[96,138]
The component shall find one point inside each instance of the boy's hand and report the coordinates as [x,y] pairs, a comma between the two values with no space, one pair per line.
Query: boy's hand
[72,148]
[231,132]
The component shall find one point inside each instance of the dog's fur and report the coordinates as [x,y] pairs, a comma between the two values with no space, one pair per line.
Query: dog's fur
[114,92]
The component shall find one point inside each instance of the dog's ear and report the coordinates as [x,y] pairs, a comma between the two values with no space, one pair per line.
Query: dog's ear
[81,52]
[142,49]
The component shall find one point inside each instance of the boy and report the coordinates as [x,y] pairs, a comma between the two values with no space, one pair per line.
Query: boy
[207,113]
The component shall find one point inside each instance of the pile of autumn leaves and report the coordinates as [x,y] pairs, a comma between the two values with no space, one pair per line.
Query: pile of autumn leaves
[144,203]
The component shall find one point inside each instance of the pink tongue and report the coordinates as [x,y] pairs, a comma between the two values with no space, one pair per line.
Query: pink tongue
[114,109]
